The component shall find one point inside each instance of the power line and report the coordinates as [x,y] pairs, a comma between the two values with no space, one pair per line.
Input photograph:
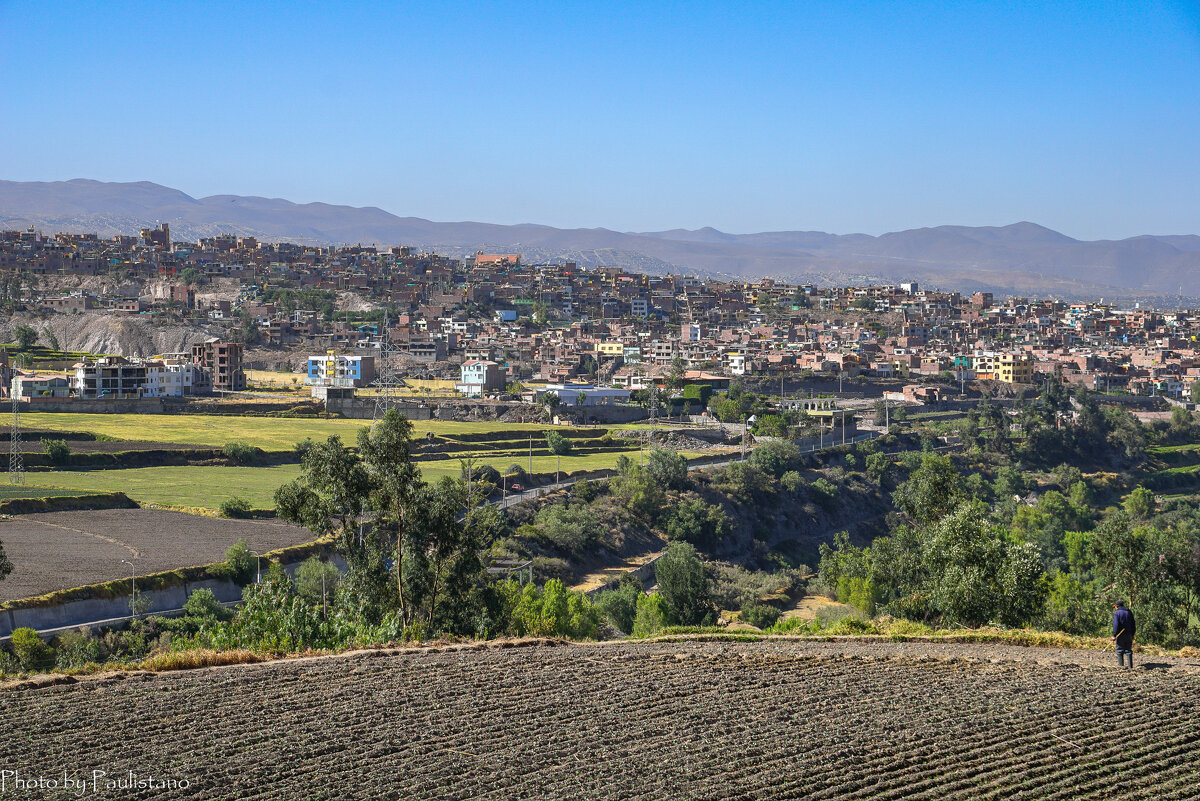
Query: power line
[388,378]
[16,458]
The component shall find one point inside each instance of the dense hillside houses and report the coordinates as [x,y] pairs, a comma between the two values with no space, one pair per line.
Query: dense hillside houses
[493,319]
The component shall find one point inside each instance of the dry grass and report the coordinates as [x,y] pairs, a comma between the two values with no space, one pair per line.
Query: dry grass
[200,658]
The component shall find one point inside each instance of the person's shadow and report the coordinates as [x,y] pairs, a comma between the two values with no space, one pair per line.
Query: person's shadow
[1156,665]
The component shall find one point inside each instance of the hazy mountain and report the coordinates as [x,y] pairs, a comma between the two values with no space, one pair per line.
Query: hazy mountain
[1023,257]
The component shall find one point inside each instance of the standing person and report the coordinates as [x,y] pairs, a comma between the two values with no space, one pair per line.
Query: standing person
[1123,630]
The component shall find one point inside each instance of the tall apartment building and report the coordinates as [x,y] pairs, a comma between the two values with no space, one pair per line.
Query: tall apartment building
[223,363]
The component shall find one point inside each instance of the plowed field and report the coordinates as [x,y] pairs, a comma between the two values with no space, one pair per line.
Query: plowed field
[60,550]
[631,721]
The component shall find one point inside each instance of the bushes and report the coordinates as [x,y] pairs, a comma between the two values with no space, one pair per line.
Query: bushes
[57,451]
[241,452]
[791,481]
[824,492]
[30,651]
[620,605]
[235,507]
[760,615]
[240,565]
[316,580]
[572,529]
[552,611]
[78,649]
[668,468]
[775,458]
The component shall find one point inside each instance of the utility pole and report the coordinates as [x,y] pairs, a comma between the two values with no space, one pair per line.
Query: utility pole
[531,454]
[557,469]
[744,424]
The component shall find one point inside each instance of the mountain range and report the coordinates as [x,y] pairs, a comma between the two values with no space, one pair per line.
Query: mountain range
[1022,258]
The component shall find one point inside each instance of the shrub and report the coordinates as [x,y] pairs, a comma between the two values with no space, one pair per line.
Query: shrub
[204,605]
[57,450]
[791,481]
[668,468]
[619,605]
[585,491]
[76,649]
[241,452]
[824,492]
[235,507]
[573,529]
[775,458]
[240,565]
[760,615]
[31,652]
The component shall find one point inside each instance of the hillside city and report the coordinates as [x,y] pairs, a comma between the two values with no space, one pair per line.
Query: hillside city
[496,324]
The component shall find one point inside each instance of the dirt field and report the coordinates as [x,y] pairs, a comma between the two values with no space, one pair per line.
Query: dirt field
[631,721]
[58,550]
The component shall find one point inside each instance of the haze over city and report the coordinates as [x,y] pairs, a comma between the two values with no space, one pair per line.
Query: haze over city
[847,117]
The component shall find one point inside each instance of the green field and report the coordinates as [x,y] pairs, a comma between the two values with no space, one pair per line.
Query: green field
[10,491]
[207,486]
[213,431]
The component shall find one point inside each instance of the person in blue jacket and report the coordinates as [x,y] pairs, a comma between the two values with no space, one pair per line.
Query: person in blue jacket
[1123,630]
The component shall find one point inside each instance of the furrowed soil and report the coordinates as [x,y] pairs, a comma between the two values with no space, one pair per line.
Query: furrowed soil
[701,720]
[61,550]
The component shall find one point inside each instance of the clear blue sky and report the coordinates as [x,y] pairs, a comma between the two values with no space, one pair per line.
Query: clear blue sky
[837,116]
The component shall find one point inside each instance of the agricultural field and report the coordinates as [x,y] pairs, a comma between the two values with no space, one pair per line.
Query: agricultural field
[206,486]
[268,433]
[60,550]
[716,720]
[203,487]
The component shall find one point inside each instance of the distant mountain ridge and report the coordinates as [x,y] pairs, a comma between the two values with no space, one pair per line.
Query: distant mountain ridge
[1020,258]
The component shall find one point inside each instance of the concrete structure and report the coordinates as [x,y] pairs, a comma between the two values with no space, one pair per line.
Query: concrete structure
[113,376]
[36,386]
[222,362]
[583,394]
[340,370]
[480,377]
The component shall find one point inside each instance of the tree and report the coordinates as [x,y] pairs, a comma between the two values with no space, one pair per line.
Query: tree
[683,586]
[701,524]
[317,580]
[25,336]
[1140,504]
[931,491]
[557,444]
[51,338]
[668,468]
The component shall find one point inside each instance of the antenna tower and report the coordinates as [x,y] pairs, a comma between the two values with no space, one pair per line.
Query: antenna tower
[388,378]
[16,459]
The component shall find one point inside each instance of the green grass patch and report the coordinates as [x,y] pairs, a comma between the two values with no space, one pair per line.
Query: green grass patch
[268,433]
[205,487]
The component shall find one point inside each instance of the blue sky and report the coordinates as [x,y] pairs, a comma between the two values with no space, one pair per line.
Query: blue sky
[837,116]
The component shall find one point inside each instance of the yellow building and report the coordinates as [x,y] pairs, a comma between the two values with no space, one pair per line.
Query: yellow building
[1009,368]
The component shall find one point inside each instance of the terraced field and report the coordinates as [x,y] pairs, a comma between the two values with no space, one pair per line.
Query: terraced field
[630,721]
